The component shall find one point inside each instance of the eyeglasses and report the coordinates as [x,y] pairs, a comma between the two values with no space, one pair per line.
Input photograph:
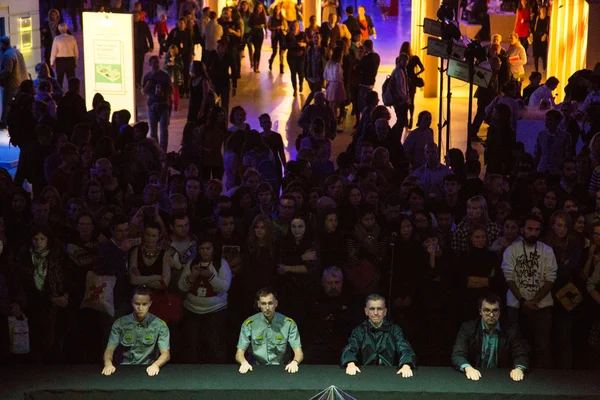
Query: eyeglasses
[487,312]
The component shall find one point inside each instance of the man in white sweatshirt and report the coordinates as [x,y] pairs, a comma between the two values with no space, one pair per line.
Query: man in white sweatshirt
[530,270]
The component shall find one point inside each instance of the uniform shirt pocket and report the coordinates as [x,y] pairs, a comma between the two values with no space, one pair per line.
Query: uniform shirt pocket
[127,339]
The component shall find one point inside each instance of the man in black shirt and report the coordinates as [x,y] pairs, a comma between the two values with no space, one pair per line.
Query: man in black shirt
[158,88]
[142,44]
[219,68]
[351,22]
[232,32]
[367,72]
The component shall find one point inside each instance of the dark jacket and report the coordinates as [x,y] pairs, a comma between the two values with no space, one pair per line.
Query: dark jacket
[512,348]
[182,39]
[378,346]
[219,70]
[353,25]
[142,38]
[71,111]
[367,69]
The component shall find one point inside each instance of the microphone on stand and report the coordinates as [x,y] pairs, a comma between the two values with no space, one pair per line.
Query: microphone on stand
[393,239]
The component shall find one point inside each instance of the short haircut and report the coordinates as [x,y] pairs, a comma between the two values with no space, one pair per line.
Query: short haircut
[118,219]
[350,10]
[451,178]
[374,297]
[490,298]
[552,81]
[141,291]
[333,271]
[176,217]
[532,217]
[265,292]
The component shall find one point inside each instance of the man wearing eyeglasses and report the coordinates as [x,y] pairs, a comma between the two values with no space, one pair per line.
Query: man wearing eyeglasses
[488,343]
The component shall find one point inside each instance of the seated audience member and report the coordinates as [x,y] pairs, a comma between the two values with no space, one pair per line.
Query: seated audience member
[378,342]
[137,337]
[268,335]
[488,342]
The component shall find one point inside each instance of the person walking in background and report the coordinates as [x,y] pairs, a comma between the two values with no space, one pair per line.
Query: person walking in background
[257,22]
[142,44]
[367,29]
[49,31]
[414,81]
[180,37]
[540,29]
[296,47]
[517,58]
[64,54]
[335,80]
[278,27]
[329,7]
[522,23]
[174,66]
[158,88]
[161,31]
[212,32]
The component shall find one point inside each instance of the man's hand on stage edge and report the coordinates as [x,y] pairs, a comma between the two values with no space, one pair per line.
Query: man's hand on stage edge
[472,374]
[517,374]
[153,370]
[245,367]
[352,369]
[292,367]
[108,370]
[405,371]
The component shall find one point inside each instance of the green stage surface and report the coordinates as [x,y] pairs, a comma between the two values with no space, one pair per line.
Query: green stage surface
[224,382]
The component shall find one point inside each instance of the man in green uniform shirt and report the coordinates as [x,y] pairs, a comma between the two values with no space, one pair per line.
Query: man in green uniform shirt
[268,333]
[136,337]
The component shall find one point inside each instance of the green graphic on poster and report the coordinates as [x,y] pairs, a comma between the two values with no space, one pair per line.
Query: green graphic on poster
[109,73]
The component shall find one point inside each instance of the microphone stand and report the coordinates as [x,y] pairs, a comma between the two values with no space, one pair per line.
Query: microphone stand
[393,248]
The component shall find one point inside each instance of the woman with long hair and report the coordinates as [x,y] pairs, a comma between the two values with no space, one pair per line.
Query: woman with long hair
[257,22]
[523,22]
[296,263]
[295,42]
[333,74]
[206,280]
[477,213]
[540,28]
[42,281]
[244,11]
[260,260]
[414,68]
[199,106]
[210,138]
[567,252]
[278,26]
[232,158]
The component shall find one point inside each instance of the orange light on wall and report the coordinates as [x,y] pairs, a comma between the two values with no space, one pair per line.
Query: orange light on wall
[567,46]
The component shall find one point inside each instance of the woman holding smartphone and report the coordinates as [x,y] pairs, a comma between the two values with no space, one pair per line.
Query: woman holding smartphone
[206,280]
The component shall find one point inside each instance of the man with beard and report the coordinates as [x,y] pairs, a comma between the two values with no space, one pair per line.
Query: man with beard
[333,315]
[487,342]
[530,270]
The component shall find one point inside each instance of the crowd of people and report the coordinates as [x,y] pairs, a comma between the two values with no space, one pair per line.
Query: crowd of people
[227,216]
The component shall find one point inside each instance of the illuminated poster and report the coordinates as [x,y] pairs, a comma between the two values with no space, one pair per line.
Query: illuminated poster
[108,59]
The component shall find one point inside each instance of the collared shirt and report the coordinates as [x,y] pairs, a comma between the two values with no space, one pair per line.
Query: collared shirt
[552,149]
[64,45]
[136,342]
[268,340]
[489,348]
[432,179]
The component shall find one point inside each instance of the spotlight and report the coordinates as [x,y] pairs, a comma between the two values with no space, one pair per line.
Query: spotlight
[475,51]
[445,13]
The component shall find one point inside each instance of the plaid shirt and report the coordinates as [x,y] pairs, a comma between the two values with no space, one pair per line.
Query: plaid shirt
[460,240]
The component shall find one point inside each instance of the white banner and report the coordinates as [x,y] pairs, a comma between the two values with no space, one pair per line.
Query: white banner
[109,59]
